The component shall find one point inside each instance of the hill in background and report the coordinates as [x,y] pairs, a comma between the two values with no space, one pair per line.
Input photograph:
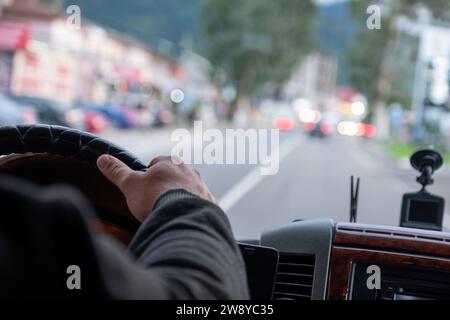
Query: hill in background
[164,24]
[169,25]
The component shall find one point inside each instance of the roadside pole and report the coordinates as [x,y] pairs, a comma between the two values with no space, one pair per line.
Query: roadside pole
[419,90]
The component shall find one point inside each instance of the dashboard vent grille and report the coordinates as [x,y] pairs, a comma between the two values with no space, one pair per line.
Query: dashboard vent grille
[294,277]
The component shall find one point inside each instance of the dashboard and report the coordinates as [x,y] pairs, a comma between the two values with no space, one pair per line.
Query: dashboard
[323,260]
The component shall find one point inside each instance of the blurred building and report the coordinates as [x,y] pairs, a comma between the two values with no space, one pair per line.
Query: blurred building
[41,55]
[418,75]
[314,79]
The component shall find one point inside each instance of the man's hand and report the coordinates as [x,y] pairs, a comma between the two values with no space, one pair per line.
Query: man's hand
[142,189]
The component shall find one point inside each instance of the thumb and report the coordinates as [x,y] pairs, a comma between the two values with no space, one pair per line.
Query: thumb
[114,170]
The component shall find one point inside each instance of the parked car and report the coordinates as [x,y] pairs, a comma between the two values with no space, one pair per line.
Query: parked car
[48,111]
[122,117]
[13,113]
[146,117]
[162,115]
[86,120]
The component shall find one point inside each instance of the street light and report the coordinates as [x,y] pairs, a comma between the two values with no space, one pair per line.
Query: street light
[358,108]
[177,96]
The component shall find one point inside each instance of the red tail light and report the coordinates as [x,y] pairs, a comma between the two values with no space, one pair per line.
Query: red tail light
[284,124]
[326,128]
[98,124]
[370,131]
[308,127]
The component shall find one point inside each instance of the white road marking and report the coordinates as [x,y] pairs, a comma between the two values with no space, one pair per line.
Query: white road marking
[362,158]
[246,184]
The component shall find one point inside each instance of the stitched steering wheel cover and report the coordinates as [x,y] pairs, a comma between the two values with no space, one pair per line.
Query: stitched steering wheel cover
[62,141]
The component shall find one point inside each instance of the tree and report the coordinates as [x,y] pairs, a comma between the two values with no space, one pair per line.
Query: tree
[368,52]
[256,42]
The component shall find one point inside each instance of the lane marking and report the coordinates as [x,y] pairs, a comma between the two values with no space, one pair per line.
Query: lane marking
[246,184]
[362,157]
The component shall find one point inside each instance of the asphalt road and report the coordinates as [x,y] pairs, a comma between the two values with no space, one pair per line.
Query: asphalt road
[313,181]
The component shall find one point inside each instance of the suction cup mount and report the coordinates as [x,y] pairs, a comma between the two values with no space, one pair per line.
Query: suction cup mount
[426,161]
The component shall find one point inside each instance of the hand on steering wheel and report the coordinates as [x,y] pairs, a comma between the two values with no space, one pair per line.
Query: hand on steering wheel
[142,189]
[49,155]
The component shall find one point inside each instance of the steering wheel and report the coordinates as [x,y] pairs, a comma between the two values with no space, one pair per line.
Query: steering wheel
[49,155]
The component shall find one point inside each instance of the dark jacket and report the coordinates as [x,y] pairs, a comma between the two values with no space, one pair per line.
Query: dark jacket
[184,250]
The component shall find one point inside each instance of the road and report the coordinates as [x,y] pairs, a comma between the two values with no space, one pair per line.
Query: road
[313,181]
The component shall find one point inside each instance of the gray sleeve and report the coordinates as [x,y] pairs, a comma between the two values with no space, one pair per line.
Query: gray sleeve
[184,250]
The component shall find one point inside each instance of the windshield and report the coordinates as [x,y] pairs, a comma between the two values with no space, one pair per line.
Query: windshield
[276,103]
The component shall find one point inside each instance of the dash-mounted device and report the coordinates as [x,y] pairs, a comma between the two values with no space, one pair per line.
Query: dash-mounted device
[422,209]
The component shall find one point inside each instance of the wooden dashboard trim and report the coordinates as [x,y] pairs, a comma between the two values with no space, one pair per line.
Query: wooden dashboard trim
[393,246]
[410,241]
[342,260]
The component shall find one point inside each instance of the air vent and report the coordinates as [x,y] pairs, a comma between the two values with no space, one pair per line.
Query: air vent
[294,277]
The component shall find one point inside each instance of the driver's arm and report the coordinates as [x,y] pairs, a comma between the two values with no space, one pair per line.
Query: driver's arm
[184,248]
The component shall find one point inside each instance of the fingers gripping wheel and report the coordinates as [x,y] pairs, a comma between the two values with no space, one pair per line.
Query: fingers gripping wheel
[62,141]
[53,155]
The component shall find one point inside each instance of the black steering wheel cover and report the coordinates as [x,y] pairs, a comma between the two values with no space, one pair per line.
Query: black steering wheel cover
[63,141]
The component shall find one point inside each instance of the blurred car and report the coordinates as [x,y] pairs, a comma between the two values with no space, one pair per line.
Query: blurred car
[121,117]
[279,113]
[95,122]
[145,116]
[86,120]
[48,111]
[163,117]
[319,129]
[356,129]
[283,123]
[13,113]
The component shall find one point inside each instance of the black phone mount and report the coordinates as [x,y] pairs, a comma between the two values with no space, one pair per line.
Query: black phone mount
[426,161]
[422,209]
